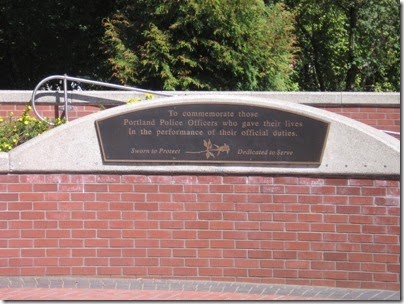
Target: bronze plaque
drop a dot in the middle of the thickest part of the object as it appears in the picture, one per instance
(207, 133)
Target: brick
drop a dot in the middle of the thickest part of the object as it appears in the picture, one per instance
(284, 235)
(273, 189)
(235, 235)
(146, 188)
(159, 234)
(20, 243)
(259, 198)
(172, 224)
(70, 187)
(108, 179)
(210, 179)
(297, 226)
(49, 243)
(19, 188)
(285, 217)
(134, 179)
(286, 273)
(32, 215)
(311, 181)
(135, 271)
(184, 197)
(247, 225)
(208, 197)
(370, 191)
(184, 252)
(197, 263)
(107, 197)
(259, 216)
(335, 256)
(272, 207)
(285, 255)
(184, 179)
(122, 261)
(134, 252)
(71, 205)
(386, 183)
(221, 225)
(248, 244)
(146, 243)
(171, 188)
(297, 189)
(269, 263)
(9, 215)
(309, 217)
(312, 274)
(387, 201)
(261, 254)
(387, 220)
(133, 197)
(260, 180)
(260, 272)
(386, 239)
(29, 196)
(297, 246)
(323, 190)
(236, 198)
(120, 187)
(56, 178)
(221, 188)
(160, 216)
(108, 271)
(196, 189)
(85, 179)
(348, 191)
(20, 206)
(323, 208)
(285, 198)
(323, 246)
(158, 197)
(334, 199)
(185, 272)
(95, 188)
(235, 216)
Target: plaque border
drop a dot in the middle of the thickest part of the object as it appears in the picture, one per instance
(210, 162)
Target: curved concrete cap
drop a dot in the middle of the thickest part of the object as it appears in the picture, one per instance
(352, 148)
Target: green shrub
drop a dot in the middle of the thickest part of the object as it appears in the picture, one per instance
(15, 131)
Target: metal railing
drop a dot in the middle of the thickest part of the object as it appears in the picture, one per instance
(66, 78)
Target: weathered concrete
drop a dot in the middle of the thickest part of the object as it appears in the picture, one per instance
(352, 148)
(119, 97)
(4, 162)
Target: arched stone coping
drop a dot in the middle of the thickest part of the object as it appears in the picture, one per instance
(352, 148)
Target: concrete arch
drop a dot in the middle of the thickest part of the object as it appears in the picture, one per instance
(352, 148)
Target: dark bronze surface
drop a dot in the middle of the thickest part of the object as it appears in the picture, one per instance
(212, 133)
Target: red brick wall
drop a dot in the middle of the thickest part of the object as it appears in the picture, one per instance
(378, 117)
(383, 118)
(273, 229)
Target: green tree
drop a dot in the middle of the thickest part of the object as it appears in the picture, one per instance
(41, 38)
(351, 45)
(201, 44)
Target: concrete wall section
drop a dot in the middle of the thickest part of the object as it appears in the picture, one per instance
(352, 148)
(119, 97)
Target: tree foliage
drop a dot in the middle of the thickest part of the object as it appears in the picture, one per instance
(195, 44)
(41, 38)
(347, 45)
(310, 45)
